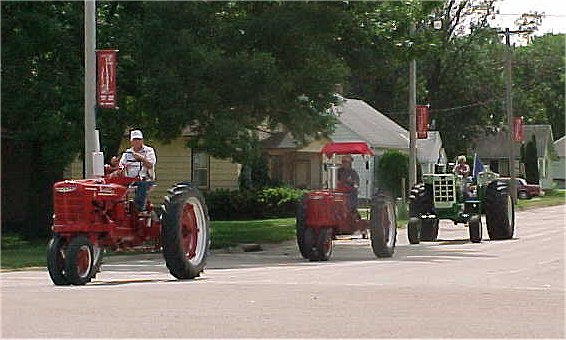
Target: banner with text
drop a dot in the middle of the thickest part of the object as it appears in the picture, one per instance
(422, 121)
(106, 79)
(518, 129)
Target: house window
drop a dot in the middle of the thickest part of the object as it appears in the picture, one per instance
(275, 165)
(200, 166)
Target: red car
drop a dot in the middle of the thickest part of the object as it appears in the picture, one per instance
(525, 190)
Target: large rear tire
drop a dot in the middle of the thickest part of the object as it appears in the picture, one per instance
(56, 260)
(300, 227)
(79, 259)
(383, 226)
(185, 231)
(499, 211)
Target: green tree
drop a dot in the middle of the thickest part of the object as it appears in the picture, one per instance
(539, 78)
(42, 94)
(531, 162)
(392, 170)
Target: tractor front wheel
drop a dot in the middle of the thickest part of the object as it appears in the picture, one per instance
(185, 231)
(383, 226)
(414, 230)
(324, 244)
(56, 260)
(301, 227)
(475, 229)
(79, 257)
(429, 229)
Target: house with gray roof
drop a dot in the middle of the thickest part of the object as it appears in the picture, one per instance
(357, 121)
(493, 150)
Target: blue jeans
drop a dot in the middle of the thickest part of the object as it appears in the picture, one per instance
(141, 193)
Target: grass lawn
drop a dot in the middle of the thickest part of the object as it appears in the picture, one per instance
(18, 253)
(554, 197)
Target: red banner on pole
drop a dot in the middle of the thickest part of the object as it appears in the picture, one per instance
(106, 79)
(518, 129)
(422, 121)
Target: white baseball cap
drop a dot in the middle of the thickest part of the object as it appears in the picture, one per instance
(136, 134)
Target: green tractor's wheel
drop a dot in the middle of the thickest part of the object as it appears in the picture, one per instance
(383, 226)
(499, 211)
(414, 230)
(185, 231)
(79, 257)
(475, 229)
(300, 227)
(429, 229)
(56, 260)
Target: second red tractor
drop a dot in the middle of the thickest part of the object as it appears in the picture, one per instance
(324, 213)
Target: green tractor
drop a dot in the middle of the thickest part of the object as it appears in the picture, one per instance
(445, 195)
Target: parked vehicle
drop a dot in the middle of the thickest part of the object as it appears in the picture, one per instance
(525, 190)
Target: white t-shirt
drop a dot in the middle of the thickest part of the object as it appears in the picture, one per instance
(135, 168)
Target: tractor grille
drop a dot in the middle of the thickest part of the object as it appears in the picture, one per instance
(68, 208)
(444, 190)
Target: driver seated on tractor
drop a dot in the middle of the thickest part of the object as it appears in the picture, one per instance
(139, 162)
(349, 180)
(463, 169)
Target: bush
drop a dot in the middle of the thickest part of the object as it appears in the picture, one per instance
(253, 204)
(392, 168)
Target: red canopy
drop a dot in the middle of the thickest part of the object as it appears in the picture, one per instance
(344, 148)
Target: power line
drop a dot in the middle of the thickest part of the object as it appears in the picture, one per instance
(449, 109)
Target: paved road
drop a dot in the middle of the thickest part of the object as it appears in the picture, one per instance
(445, 289)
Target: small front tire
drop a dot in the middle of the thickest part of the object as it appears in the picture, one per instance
(56, 260)
(79, 259)
(475, 229)
(414, 230)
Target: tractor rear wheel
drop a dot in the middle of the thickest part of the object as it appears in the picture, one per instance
(429, 229)
(185, 231)
(79, 259)
(414, 230)
(300, 226)
(499, 211)
(475, 229)
(383, 226)
(56, 260)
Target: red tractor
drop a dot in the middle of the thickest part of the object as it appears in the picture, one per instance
(322, 214)
(91, 215)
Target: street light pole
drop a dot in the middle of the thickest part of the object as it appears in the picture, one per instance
(412, 117)
(91, 139)
(509, 108)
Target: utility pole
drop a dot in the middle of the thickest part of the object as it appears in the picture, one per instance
(91, 140)
(509, 106)
(413, 117)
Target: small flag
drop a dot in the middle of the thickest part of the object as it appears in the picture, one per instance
(478, 166)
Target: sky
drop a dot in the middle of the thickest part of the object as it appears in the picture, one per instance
(553, 22)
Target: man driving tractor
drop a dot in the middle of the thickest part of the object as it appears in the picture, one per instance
(139, 162)
(349, 180)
